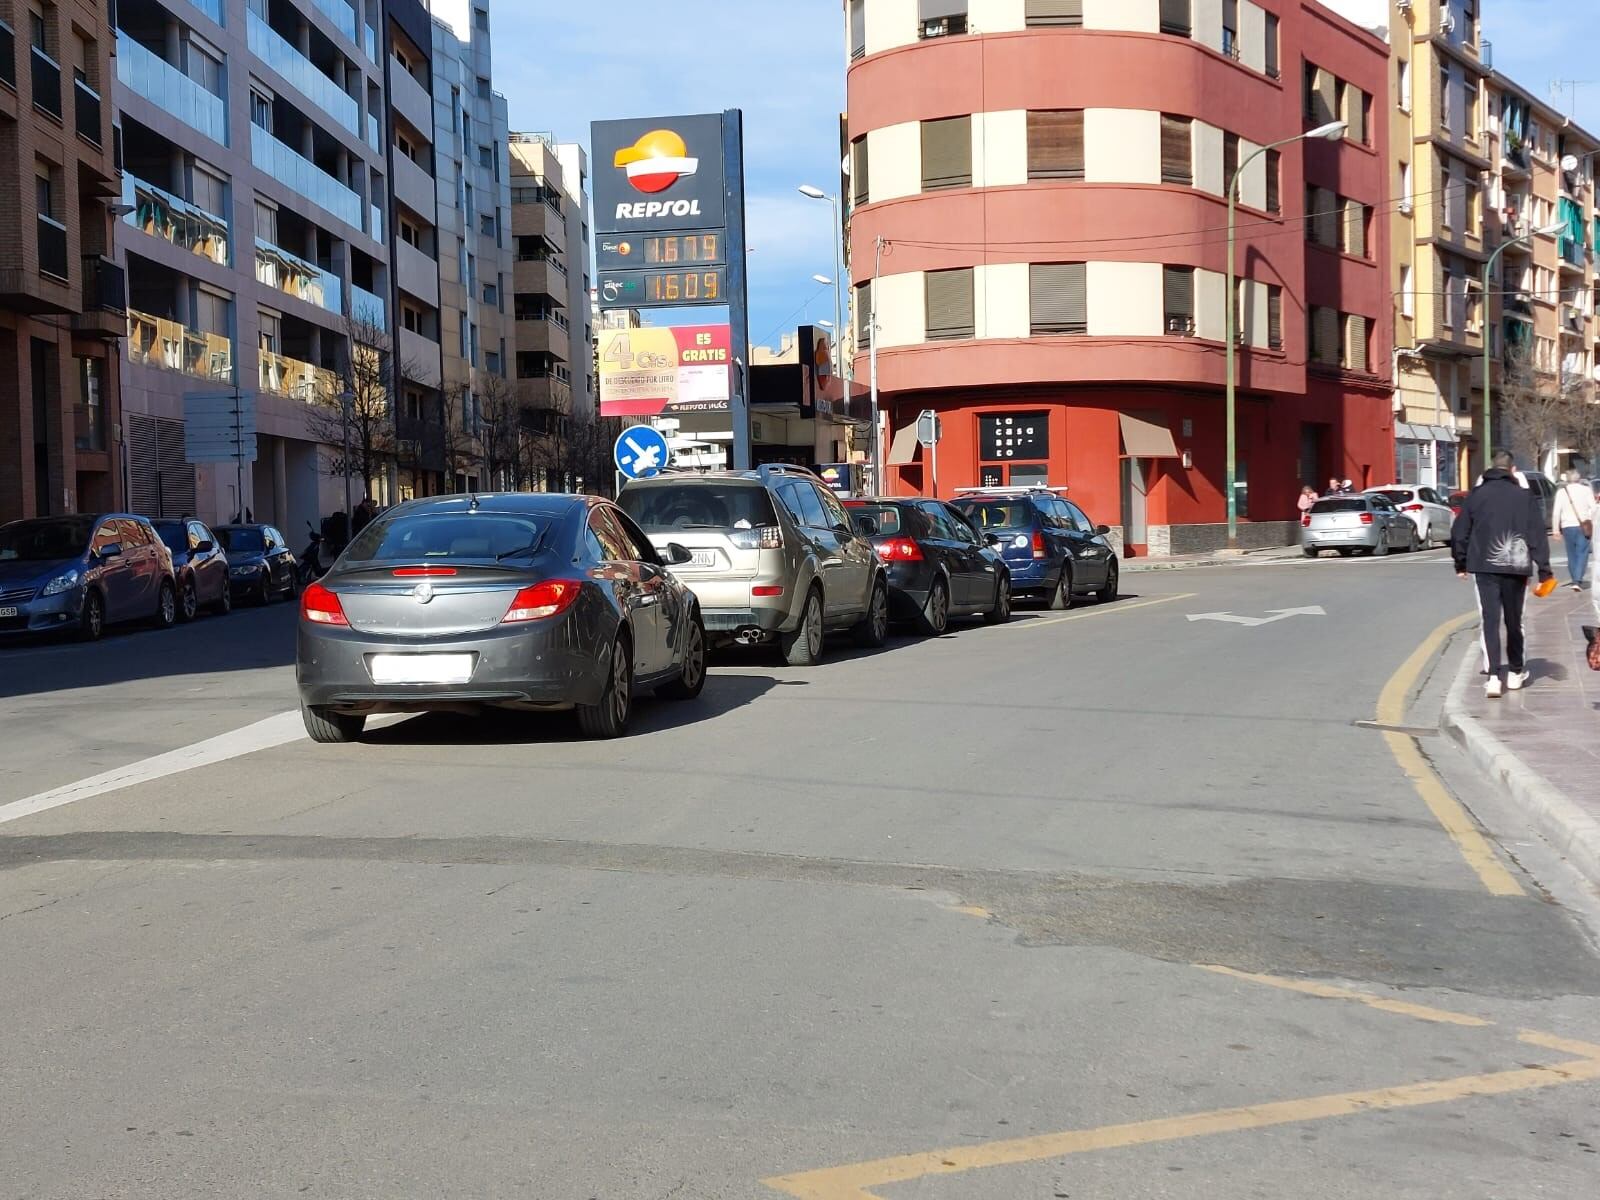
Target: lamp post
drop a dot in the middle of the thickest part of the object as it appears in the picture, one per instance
(1331, 132)
(346, 399)
(1484, 438)
(843, 363)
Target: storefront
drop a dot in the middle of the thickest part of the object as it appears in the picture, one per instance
(1426, 455)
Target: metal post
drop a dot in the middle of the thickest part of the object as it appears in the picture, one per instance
(838, 298)
(1488, 383)
(1231, 351)
(738, 271)
(872, 346)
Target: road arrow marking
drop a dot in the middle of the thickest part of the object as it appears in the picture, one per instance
(1277, 614)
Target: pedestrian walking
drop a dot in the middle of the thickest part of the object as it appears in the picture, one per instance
(1499, 539)
(1573, 522)
(1308, 497)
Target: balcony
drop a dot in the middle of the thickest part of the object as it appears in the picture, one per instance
(414, 188)
(1574, 321)
(409, 98)
(271, 47)
(169, 89)
(52, 248)
(285, 376)
(187, 226)
(541, 277)
(419, 358)
(1514, 161)
(304, 177)
(416, 273)
(8, 56)
(368, 308)
(341, 14)
(541, 335)
(539, 220)
(211, 8)
(86, 111)
(296, 277)
(159, 342)
(105, 299)
(1574, 257)
(46, 83)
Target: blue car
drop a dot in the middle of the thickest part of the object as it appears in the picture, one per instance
(1050, 547)
(79, 574)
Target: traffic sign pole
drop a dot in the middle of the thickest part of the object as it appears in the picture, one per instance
(738, 284)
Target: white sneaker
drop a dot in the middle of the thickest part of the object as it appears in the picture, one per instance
(1517, 680)
(1493, 688)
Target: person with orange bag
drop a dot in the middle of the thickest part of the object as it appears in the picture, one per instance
(1500, 540)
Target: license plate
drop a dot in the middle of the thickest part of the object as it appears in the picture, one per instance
(421, 668)
(8, 612)
(703, 558)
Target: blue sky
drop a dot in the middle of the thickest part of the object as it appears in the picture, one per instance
(1536, 41)
(564, 65)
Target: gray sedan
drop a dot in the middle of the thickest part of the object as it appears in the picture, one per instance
(528, 602)
(1366, 523)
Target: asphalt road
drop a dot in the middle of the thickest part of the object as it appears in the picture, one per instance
(932, 922)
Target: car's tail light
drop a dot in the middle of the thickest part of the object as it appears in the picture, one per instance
(900, 549)
(548, 599)
(321, 607)
(422, 572)
(1411, 508)
(1305, 520)
(767, 589)
(1038, 544)
(763, 537)
(1366, 518)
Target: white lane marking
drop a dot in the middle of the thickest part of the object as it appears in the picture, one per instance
(276, 730)
(1279, 614)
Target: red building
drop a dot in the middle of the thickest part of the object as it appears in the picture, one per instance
(1047, 178)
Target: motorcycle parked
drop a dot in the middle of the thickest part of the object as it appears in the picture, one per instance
(316, 558)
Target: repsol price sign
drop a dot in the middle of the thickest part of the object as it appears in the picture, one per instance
(666, 173)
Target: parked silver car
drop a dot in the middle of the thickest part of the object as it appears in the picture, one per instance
(1426, 508)
(773, 555)
(1363, 522)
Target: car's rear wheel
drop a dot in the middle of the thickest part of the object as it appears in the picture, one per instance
(802, 647)
(1382, 547)
(224, 604)
(873, 629)
(936, 612)
(188, 602)
(329, 727)
(92, 620)
(1346, 551)
(609, 718)
(1109, 593)
(1000, 613)
(1311, 551)
(691, 680)
(166, 606)
(264, 592)
(1062, 597)
(1413, 541)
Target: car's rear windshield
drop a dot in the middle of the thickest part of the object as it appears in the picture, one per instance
(45, 540)
(443, 537)
(173, 534)
(1395, 495)
(888, 517)
(663, 507)
(998, 514)
(1341, 504)
(242, 541)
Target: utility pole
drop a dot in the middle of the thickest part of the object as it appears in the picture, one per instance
(872, 346)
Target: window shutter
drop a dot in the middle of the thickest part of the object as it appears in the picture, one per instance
(1355, 114)
(1274, 181)
(1177, 159)
(1054, 12)
(1274, 317)
(1323, 97)
(864, 314)
(947, 153)
(1355, 343)
(1055, 144)
(1355, 228)
(858, 28)
(1325, 336)
(949, 301)
(1230, 160)
(1176, 17)
(1177, 286)
(1273, 68)
(860, 177)
(1325, 217)
(1058, 298)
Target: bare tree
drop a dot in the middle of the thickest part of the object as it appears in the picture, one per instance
(497, 430)
(460, 443)
(1536, 414)
(365, 378)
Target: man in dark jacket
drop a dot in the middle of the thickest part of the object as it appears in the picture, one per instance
(1499, 539)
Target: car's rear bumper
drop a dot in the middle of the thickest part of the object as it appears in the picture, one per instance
(729, 621)
(541, 666)
(909, 584)
(1365, 538)
(1033, 576)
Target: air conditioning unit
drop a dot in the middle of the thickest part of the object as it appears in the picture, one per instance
(1447, 18)
(1403, 5)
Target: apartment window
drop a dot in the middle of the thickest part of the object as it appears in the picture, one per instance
(1053, 12)
(1177, 154)
(466, 339)
(864, 314)
(485, 157)
(1354, 110)
(1058, 298)
(1230, 158)
(1274, 316)
(1356, 216)
(268, 331)
(411, 319)
(1353, 343)
(491, 295)
(1403, 83)
(1321, 95)
(949, 303)
(1177, 17)
(36, 31)
(1274, 182)
(484, 91)
(1408, 292)
(858, 28)
(1177, 293)
(455, 110)
(480, 18)
(492, 361)
(260, 111)
(1323, 337)
(1446, 108)
(947, 153)
(1274, 68)
(486, 225)
(266, 222)
(43, 193)
(1322, 217)
(941, 18)
(1449, 316)
(1230, 28)
(860, 176)
(1055, 144)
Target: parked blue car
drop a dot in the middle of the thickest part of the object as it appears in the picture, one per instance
(1049, 545)
(82, 573)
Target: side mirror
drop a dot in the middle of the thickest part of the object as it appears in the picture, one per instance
(110, 550)
(866, 527)
(991, 539)
(843, 528)
(677, 555)
(205, 548)
(1102, 530)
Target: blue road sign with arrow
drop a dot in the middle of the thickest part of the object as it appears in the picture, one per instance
(641, 452)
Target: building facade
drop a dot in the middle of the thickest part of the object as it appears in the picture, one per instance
(1038, 221)
(62, 298)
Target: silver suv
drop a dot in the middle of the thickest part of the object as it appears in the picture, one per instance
(775, 556)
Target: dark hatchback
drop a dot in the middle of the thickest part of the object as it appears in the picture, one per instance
(261, 566)
(1050, 546)
(199, 564)
(532, 602)
(938, 566)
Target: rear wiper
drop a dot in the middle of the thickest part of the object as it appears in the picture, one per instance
(520, 550)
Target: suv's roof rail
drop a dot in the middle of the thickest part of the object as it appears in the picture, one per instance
(1042, 490)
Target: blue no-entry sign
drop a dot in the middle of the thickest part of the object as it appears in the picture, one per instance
(641, 452)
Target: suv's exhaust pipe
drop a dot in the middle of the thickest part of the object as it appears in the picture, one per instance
(750, 635)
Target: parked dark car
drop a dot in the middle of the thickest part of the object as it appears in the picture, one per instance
(1050, 546)
(81, 573)
(938, 566)
(260, 564)
(200, 566)
(531, 602)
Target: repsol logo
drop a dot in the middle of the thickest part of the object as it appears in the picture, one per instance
(643, 210)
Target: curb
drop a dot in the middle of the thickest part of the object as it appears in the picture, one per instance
(1568, 828)
(1157, 564)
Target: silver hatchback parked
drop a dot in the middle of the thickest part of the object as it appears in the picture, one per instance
(774, 556)
(1365, 522)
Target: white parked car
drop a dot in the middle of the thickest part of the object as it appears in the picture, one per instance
(1428, 510)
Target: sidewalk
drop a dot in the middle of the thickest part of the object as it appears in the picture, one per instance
(1215, 558)
(1540, 744)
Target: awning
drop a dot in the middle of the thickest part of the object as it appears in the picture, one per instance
(1411, 433)
(903, 449)
(1146, 439)
(1441, 434)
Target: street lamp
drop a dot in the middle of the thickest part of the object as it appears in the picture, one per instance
(1488, 381)
(816, 193)
(1331, 132)
(823, 280)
